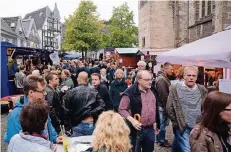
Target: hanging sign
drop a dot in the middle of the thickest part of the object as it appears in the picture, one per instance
(10, 51)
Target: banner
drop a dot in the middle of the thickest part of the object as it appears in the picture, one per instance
(54, 57)
(225, 86)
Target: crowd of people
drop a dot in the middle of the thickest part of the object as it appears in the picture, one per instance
(124, 110)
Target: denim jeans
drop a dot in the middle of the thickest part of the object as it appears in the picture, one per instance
(181, 140)
(144, 141)
(164, 121)
(83, 129)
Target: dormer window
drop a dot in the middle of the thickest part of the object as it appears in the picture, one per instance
(29, 17)
(20, 30)
(12, 25)
(41, 13)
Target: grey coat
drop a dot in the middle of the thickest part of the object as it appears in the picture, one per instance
(174, 109)
(27, 143)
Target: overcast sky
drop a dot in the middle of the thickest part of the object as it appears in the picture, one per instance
(10, 8)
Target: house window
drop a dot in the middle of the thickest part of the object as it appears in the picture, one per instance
(209, 8)
(12, 25)
(143, 42)
(203, 9)
(197, 12)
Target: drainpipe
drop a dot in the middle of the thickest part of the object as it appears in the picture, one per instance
(187, 21)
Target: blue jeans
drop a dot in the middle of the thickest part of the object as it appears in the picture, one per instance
(181, 140)
(164, 121)
(145, 141)
(83, 129)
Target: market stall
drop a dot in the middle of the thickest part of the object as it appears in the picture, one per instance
(11, 57)
(212, 51)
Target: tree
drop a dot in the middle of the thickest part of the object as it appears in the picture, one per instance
(83, 29)
(123, 32)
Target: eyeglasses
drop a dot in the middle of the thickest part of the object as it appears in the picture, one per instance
(147, 80)
(227, 110)
(42, 91)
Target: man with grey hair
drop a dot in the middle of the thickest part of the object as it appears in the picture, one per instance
(141, 65)
(162, 86)
(141, 98)
(184, 107)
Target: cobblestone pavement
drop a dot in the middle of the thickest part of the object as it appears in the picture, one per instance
(4, 145)
(169, 137)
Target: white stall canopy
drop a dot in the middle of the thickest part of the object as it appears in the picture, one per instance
(212, 51)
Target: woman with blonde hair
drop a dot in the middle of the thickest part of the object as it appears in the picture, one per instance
(111, 134)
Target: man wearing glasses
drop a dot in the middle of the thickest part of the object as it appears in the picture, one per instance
(34, 91)
(184, 108)
(141, 98)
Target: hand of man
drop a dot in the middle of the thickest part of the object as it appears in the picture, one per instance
(59, 140)
(136, 125)
(156, 130)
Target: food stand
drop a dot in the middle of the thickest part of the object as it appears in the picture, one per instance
(10, 55)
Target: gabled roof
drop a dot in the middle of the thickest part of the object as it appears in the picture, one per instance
(27, 24)
(5, 29)
(39, 16)
(17, 28)
(126, 50)
(12, 20)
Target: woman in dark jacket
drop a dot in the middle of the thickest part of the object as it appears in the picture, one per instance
(118, 86)
(212, 134)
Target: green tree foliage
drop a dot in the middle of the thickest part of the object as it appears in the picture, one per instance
(83, 29)
(123, 32)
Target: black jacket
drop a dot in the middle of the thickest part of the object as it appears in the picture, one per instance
(82, 102)
(116, 88)
(56, 110)
(94, 70)
(104, 93)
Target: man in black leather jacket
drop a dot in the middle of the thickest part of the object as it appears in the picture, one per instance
(83, 105)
